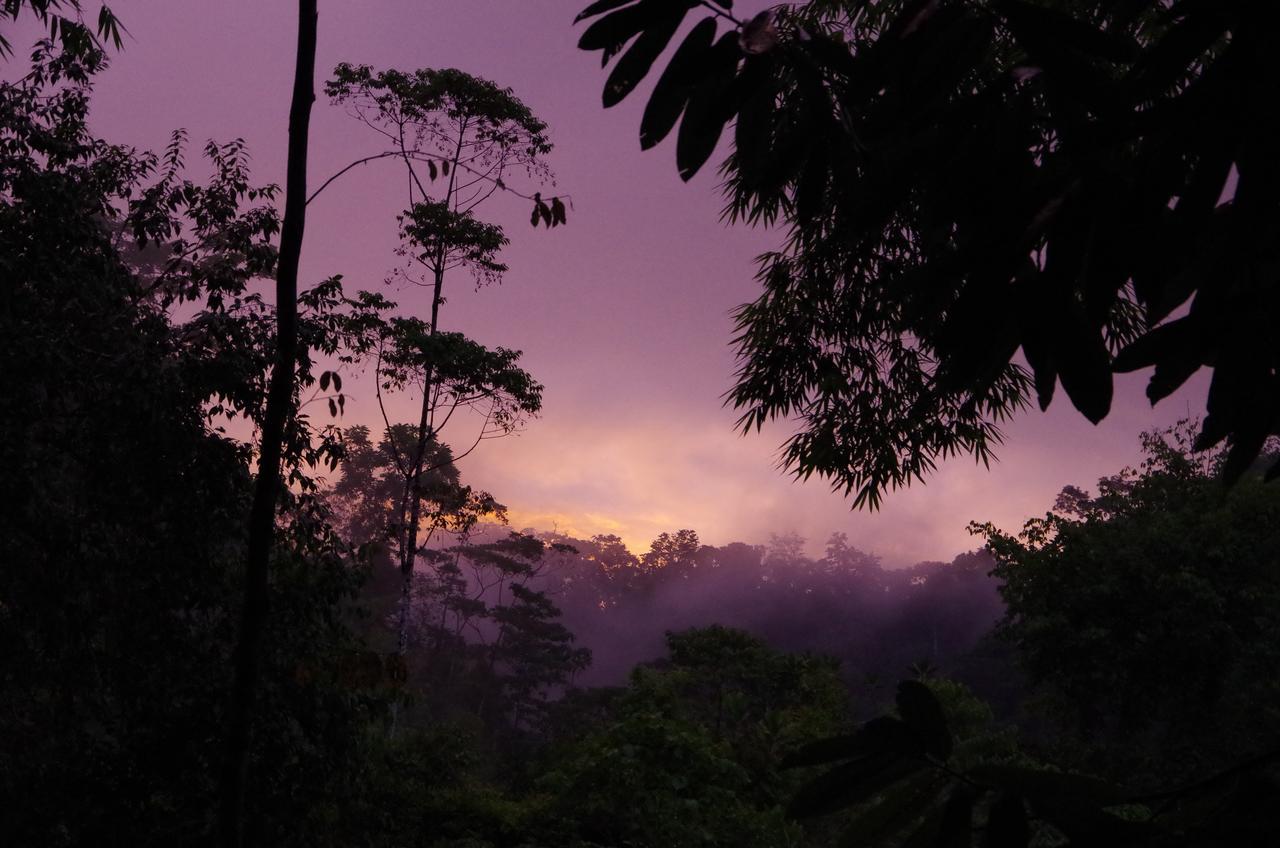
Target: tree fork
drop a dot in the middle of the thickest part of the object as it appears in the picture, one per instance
(279, 406)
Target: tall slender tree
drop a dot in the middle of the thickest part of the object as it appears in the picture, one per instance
(279, 409)
(460, 139)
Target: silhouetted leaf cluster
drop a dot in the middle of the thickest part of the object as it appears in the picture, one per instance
(965, 181)
(898, 776)
(551, 214)
(122, 534)
(1158, 570)
(73, 36)
(451, 122)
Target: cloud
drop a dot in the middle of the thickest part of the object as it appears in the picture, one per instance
(584, 471)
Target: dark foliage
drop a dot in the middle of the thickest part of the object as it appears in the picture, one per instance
(964, 181)
(1158, 571)
(123, 535)
(687, 754)
(906, 783)
(135, 336)
(876, 621)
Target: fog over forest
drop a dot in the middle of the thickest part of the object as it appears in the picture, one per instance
(392, 455)
(878, 622)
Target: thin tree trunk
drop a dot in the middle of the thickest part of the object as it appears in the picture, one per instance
(413, 490)
(279, 407)
(409, 550)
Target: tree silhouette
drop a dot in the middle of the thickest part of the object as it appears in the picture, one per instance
(1159, 571)
(963, 182)
(133, 333)
(74, 36)
(279, 410)
(470, 134)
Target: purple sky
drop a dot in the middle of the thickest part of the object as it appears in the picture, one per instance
(623, 314)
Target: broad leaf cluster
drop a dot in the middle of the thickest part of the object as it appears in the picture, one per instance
(122, 535)
(985, 200)
(1157, 571)
(908, 780)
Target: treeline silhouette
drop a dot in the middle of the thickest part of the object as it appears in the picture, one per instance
(395, 668)
(844, 604)
(618, 605)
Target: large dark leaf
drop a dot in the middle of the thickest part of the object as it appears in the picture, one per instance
(1007, 825)
(671, 93)
(1242, 400)
(1167, 63)
(636, 62)
(849, 784)
(957, 819)
(1084, 364)
(1171, 372)
(1039, 783)
(1043, 369)
(708, 109)
(898, 807)
(614, 30)
(1157, 344)
(600, 7)
(755, 94)
(1246, 444)
(878, 736)
(1034, 300)
(1068, 31)
(923, 714)
(978, 345)
(1086, 823)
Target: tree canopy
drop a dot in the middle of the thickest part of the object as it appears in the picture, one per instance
(151, 391)
(983, 200)
(123, 534)
(1156, 571)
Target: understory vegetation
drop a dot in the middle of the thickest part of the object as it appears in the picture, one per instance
(1105, 675)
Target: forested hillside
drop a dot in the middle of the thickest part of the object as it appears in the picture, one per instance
(251, 595)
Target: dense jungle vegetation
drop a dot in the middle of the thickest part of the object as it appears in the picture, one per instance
(319, 634)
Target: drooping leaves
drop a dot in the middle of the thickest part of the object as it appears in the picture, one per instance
(923, 714)
(851, 783)
(709, 108)
(955, 821)
(1007, 824)
(550, 214)
(894, 812)
(888, 758)
(639, 58)
(671, 92)
(878, 736)
(598, 8)
(1108, 146)
(611, 32)
(1037, 783)
(696, 83)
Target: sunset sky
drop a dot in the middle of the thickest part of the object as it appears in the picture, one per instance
(623, 315)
